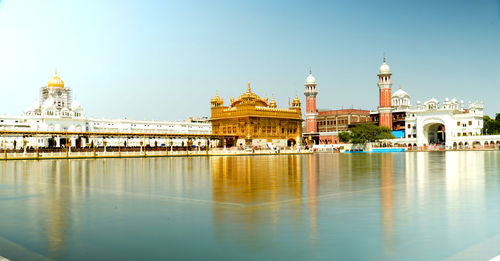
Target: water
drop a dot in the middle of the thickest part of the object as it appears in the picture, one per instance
(394, 206)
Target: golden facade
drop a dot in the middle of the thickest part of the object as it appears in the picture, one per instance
(256, 121)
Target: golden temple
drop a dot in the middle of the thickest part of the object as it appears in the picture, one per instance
(257, 122)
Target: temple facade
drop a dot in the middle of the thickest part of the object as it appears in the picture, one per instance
(55, 110)
(257, 122)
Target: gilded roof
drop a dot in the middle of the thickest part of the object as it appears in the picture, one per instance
(249, 97)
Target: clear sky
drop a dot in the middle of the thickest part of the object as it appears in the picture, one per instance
(164, 60)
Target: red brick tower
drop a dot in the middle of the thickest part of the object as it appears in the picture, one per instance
(384, 85)
(311, 112)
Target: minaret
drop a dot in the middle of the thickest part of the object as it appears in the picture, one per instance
(311, 112)
(385, 93)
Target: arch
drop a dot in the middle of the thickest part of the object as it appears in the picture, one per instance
(291, 142)
(434, 131)
(476, 145)
(455, 145)
(466, 145)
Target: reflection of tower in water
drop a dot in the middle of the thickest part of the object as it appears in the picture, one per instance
(248, 192)
(387, 199)
(312, 195)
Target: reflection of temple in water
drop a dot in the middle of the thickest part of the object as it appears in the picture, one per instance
(249, 193)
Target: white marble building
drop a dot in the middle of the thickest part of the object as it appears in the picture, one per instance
(55, 111)
(451, 123)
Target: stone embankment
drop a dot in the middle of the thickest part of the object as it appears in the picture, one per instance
(138, 154)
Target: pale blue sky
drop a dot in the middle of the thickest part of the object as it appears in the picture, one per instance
(165, 59)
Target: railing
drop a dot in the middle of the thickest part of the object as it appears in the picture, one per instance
(58, 154)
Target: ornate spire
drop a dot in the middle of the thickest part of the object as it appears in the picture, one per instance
(249, 90)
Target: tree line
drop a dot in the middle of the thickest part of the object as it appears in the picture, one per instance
(364, 133)
(491, 126)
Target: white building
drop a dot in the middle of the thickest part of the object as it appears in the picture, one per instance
(55, 111)
(450, 123)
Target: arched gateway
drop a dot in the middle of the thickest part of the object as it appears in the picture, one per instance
(433, 132)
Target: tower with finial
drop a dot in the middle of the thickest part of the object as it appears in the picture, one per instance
(311, 112)
(295, 102)
(385, 93)
(217, 101)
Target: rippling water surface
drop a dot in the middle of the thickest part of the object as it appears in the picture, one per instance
(400, 206)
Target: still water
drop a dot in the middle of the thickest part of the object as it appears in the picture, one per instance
(395, 206)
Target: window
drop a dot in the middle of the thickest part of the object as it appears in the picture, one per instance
(409, 126)
(470, 123)
(458, 123)
(459, 134)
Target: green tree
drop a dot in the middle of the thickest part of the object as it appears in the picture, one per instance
(491, 126)
(364, 133)
(344, 136)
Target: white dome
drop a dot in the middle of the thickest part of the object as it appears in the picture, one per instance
(384, 68)
(400, 93)
(310, 79)
(433, 100)
(75, 105)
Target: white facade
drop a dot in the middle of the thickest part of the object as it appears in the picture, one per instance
(57, 112)
(450, 123)
(435, 123)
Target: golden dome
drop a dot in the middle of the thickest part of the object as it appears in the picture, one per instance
(55, 81)
(249, 97)
(273, 104)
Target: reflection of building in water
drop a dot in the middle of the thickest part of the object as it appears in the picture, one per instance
(58, 188)
(248, 189)
(465, 185)
(387, 199)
